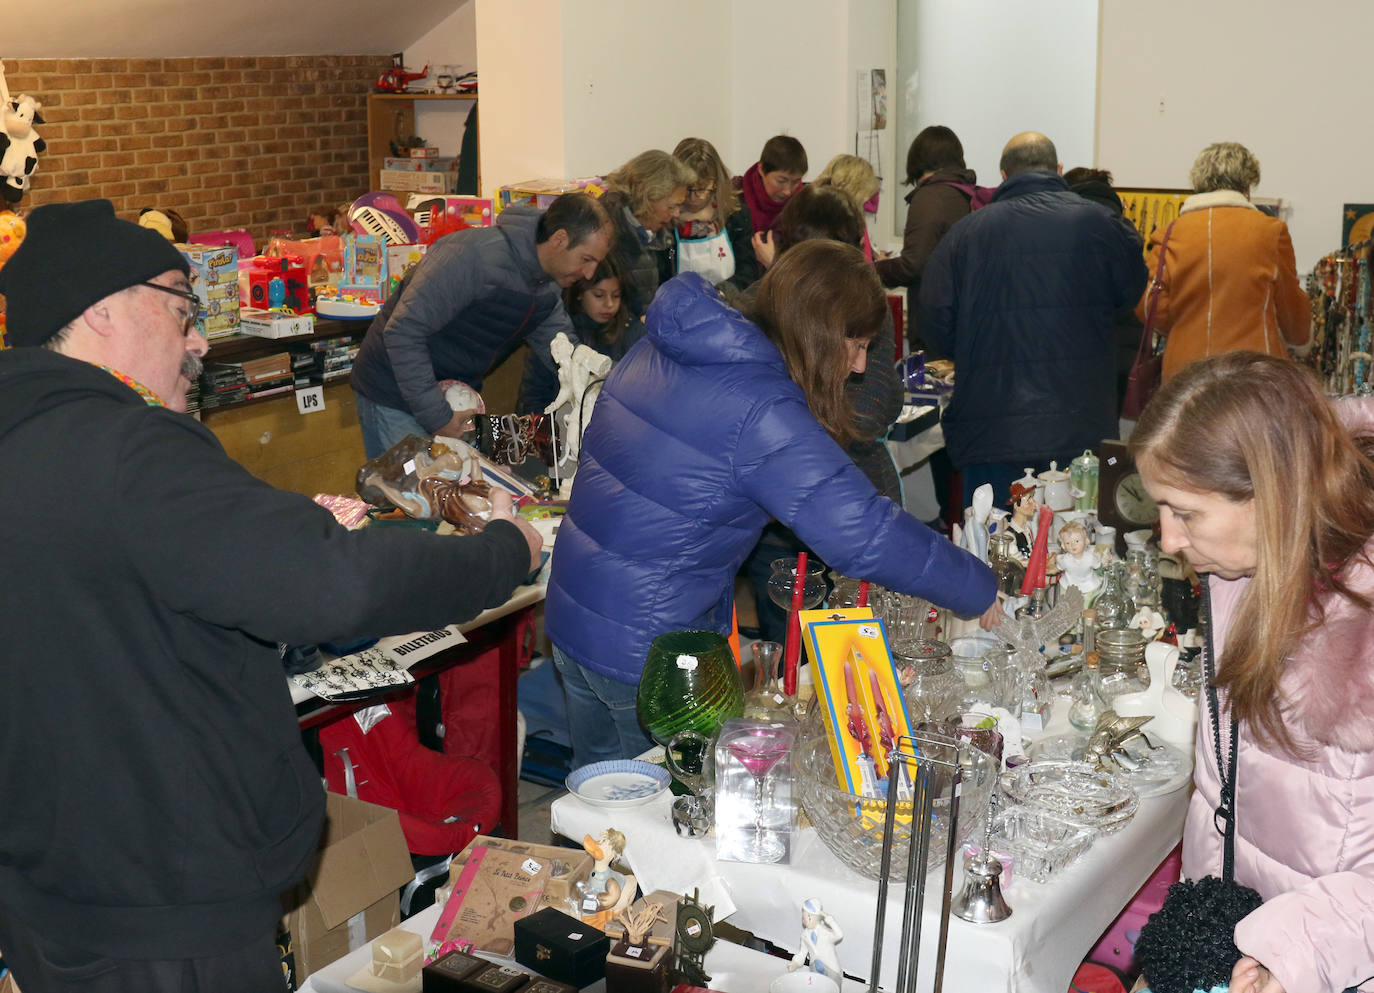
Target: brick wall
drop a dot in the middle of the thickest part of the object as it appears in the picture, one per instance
(256, 143)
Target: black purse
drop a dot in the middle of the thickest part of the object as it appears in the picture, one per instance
(1189, 944)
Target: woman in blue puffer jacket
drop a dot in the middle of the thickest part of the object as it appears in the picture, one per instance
(713, 424)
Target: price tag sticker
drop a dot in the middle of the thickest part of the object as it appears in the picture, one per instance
(590, 904)
(634, 952)
(688, 663)
(530, 867)
(310, 400)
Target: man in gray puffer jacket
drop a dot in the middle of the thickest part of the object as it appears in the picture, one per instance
(475, 297)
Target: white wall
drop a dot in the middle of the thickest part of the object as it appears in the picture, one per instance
(873, 45)
(790, 77)
(1288, 85)
(589, 83)
(519, 47)
(640, 75)
(990, 69)
(451, 42)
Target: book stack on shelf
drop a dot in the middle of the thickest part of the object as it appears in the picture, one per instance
(222, 383)
(251, 379)
(326, 360)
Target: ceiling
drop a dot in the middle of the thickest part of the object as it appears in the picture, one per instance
(178, 28)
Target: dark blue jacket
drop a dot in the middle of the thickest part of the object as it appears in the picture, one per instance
(475, 297)
(698, 439)
(1022, 295)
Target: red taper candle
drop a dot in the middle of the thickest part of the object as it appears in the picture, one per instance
(792, 649)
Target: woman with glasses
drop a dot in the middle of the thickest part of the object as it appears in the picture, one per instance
(713, 234)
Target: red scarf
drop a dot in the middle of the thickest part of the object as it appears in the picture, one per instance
(763, 209)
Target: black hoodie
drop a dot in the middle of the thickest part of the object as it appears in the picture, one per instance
(157, 795)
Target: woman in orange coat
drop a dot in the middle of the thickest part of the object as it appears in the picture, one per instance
(1229, 280)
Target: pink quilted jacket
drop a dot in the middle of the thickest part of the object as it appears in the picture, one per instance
(1304, 828)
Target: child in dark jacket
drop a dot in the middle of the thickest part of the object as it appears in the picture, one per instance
(600, 314)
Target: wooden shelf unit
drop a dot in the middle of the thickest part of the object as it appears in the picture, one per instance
(390, 115)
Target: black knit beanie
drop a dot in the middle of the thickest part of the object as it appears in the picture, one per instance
(73, 255)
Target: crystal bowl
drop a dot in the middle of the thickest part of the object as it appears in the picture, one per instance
(851, 826)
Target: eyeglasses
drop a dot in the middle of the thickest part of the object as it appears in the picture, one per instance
(188, 321)
(697, 192)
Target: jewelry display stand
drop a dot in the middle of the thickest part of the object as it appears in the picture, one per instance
(907, 762)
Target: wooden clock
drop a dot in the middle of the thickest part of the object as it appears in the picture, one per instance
(1122, 501)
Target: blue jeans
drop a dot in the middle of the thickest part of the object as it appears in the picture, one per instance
(592, 698)
(384, 426)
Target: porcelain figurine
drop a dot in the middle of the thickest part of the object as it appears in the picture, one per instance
(975, 532)
(1077, 561)
(820, 934)
(607, 892)
(1023, 520)
(579, 368)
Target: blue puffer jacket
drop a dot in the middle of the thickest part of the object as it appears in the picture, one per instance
(1023, 295)
(698, 439)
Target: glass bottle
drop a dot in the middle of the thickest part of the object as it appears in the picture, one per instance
(1114, 609)
(1089, 630)
(1088, 704)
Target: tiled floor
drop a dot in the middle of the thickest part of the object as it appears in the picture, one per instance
(535, 800)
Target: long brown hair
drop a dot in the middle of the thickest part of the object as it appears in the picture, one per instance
(701, 157)
(1248, 426)
(816, 298)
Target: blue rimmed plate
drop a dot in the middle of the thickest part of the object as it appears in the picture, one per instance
(620, 783)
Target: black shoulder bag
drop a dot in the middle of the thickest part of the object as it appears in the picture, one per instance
(1188, 943)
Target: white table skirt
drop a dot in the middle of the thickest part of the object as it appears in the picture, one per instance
(1052, 927)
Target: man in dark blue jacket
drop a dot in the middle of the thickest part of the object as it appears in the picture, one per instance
(1022, 296)
(475, 297)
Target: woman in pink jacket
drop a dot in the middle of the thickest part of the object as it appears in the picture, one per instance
(1267, 487)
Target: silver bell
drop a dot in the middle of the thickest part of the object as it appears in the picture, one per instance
(981, 900)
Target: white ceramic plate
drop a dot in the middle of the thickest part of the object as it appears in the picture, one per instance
(620, 783)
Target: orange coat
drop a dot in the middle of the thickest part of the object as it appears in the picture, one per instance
(1229, 283)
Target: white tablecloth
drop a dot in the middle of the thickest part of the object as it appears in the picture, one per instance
(1036, 950)
(733, 968)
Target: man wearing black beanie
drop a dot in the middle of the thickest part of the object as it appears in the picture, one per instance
(158, 799)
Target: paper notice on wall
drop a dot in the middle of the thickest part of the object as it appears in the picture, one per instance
(868, 145)
(870, 100)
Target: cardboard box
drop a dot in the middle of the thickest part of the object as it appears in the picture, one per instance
(363, 862)
(440, 163)
(214, 268)
(269, 324)
(419, 182)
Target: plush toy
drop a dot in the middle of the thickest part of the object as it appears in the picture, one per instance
(12, 230)
(19, 142)
(166, 222)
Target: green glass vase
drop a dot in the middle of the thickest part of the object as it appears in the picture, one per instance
(690, 683)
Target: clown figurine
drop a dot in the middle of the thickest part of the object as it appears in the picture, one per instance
(820, 934)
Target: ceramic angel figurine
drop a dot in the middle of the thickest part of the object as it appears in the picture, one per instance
(578, 368)
(820, 934)
(609, 890)
(1077, 560)
(974, 537)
